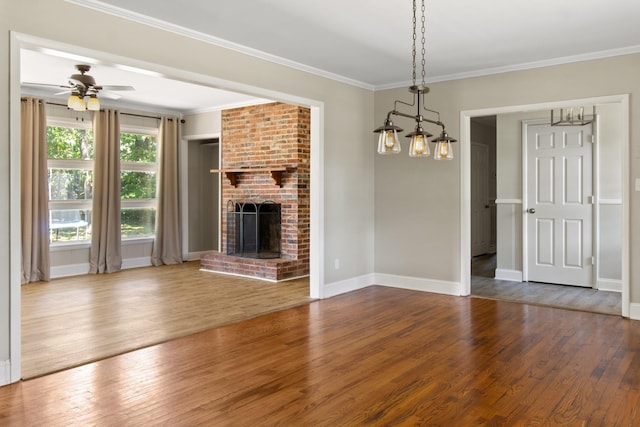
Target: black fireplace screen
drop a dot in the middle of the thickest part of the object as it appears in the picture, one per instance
(253, 229)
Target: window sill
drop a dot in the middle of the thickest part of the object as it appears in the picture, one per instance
(137, 240)
(69, 246)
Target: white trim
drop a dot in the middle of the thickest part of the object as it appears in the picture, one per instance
(18, 40)
(630, 50)
(316, 252)
(418, 284)
(136, 262)
(465, 172)
(510, 275)
(15, 240)
(612, 202)
(5, 372)
(348, 285)
(207, 38)
(610, 285)
(67, 270)
(634, 311)
(508, 201)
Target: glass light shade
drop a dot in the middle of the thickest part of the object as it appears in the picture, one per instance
(73, 101)
(93, 104)
(80, 106)
(443, 151)
(388, 142)
(419, 146)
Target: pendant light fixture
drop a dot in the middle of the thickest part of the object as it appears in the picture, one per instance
(388, 142)
(573, 117)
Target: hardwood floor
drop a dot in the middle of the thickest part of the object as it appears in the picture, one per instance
(72, 321)
(377, 356)
(484, 285)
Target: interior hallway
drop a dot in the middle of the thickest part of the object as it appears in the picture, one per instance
(484, 285)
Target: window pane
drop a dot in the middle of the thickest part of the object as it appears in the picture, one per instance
(69, 225)
(137, 148)
(138, 185)
(70, 184)
(69, 143)
(138, 222)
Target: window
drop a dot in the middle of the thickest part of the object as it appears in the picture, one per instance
(138, 165)
(70, 173)
(70, 176)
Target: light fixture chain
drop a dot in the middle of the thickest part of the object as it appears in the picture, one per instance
(423, 48)
(415, 36)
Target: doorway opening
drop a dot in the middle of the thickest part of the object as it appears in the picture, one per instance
(18, 41)
(611, 209)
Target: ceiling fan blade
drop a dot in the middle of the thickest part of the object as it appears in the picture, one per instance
(114, 87)
(63, 92)
(108, 95)
(47, 84)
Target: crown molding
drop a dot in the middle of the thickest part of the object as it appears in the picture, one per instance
(630, 50)
(197, 35)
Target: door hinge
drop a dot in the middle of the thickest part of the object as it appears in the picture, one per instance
(593, 260)
(591, 200)
(592, 138)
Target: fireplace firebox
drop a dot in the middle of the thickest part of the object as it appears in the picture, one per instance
(253, 229)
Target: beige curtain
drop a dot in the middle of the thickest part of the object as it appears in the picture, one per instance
(166, 248)
(106, 256)
(34, 201)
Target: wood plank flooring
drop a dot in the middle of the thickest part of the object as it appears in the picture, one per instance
(71, 321)
(378, 356)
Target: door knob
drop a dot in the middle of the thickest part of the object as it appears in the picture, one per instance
(531, 210)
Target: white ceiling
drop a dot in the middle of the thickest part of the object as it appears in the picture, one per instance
(366, 42)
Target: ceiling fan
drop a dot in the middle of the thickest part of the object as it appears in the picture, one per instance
(84, 85)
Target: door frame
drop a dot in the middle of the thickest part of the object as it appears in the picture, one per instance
(595, 223)
(17, 40)
(465, 181)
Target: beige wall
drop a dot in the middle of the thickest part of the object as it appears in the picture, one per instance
(347, 111)
(417, 202)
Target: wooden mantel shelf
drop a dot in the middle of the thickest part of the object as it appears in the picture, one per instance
(275, 171)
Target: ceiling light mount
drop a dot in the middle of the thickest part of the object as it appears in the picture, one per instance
(419, 147)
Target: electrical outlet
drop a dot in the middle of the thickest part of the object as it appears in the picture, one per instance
(337, 264)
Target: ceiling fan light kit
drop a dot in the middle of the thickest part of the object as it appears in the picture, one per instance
(419, 146)
(83, 86)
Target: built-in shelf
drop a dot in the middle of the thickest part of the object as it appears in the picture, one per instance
(275, 171)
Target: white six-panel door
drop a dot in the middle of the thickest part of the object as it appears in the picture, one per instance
(559, 204)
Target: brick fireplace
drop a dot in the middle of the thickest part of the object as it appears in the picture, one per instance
(265, 158)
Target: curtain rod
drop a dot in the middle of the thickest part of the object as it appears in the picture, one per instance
(126, 114)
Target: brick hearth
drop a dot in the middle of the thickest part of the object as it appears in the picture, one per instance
(261, 137)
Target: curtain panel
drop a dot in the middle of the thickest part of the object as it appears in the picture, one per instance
(168, 241)
(34, 199)
(106, 251)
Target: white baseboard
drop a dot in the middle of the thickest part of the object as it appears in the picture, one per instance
(81, 269)
(348, 285)
(136, 262)
(69, 270)
(610, 285)
(512, 275)
(634, 311)
(5, 372)
(418, 284)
